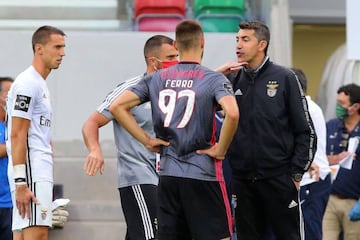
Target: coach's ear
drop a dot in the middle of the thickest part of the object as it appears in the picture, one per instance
(262, 45)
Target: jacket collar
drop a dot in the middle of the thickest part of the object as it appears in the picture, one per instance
(253, 71)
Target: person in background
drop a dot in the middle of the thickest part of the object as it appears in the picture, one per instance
(316, 182)
(5, 192)
(345, 190)
(137, 174)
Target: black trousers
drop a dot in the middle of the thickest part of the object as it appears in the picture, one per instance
(267, 202)
(5, 224)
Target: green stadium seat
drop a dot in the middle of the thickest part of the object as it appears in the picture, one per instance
(219, 15)
(220, 23)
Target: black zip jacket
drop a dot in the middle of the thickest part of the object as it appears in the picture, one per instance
(275, 134)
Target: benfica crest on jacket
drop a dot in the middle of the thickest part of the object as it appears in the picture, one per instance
(272, 88)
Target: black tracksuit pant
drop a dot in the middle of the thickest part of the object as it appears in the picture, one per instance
(264, 203)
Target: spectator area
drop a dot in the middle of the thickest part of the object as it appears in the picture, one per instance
(163, 15)
(122, 15)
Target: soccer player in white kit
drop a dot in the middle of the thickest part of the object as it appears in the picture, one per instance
(28, 143)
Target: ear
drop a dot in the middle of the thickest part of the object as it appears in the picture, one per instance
(202, 42)
(152, 61)
(175, 45)
(356, 106)
(262, 45)
(38, 48)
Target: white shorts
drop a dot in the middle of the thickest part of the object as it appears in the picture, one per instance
(41, 214)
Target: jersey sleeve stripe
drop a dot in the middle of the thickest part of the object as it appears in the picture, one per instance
(117, 91)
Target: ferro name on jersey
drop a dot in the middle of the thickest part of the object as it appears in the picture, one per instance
(184, 83)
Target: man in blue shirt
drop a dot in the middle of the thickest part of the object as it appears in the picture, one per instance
(5, 195)
(346, 187)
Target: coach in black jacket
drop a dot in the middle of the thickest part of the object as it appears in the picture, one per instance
(274, 143)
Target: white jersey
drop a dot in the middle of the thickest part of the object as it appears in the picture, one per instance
(29, 98)
(320, 157)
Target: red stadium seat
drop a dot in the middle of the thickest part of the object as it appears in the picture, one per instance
(157, 23)
(159, 7)
(158, 15)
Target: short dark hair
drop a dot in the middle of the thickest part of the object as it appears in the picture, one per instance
(188, 34)
(42, 35)
(302, 78)
(262, 31)
(153, 44)
(5, 79)
(352, 90)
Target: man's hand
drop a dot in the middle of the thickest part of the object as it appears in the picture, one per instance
(230, 67)
(211, 152)
(314, 171)
(335, 159)
(23, 197)
(94, 163)
(155, 144)
(297, 184)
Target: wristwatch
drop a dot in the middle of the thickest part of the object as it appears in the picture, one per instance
(297, 177)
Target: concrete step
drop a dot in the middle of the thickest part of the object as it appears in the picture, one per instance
(95, 211)
(78, 186)
(94, 208)
(90, 230)
(92, 220)
(75, 183)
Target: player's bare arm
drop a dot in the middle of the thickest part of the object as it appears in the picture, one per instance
(335, 159)
(120, 109)
(3, 150)
(20, 127)
(231, 111)
(90, 131)
(228, 129)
